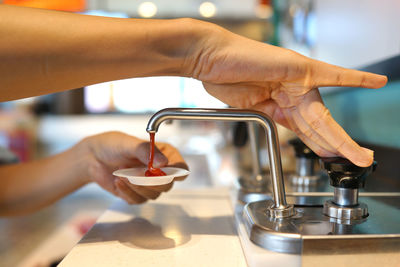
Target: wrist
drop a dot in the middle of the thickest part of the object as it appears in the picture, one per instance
(191, 43)
(176, 44)
(205, 39)
(83, 158)
(151, 47)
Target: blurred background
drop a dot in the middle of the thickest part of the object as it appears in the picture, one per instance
(360, 34)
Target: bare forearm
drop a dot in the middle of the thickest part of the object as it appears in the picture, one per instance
(30, 186)
(46, 51)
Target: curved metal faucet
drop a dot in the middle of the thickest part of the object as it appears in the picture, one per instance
(255, 155)
(280, 208)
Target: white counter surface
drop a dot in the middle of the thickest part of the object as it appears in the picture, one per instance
(191, 227)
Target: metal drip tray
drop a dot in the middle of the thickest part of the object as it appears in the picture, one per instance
(311, 232)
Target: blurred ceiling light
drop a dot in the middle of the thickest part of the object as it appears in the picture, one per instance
(207, 9)
(147, 9)
(263, 11)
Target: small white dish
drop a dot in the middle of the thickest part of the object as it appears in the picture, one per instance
(136, 175)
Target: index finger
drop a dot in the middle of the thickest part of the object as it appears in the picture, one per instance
(324, 74)
(318, 117)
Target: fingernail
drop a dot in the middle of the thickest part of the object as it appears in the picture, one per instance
(369, 152)
(367, 158)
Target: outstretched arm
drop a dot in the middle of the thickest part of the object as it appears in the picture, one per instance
(44, 51)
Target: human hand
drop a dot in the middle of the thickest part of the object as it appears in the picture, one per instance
(114, 150)
(283, 84)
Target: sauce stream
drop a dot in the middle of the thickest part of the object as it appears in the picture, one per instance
(151, 171)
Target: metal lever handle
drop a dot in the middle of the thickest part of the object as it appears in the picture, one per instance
(280, 207)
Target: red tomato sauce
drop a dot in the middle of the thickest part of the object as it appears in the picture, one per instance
(151, 171)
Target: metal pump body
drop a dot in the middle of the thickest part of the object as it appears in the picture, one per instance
(309, 229)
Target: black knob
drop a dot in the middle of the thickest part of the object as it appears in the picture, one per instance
(240, 134)
(344, 174)
(301, 150)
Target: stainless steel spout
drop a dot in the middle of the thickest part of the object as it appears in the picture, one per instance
(255, 152)
(280, 208)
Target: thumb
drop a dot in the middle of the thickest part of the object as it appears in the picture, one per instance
(143, 155)
(160, 160)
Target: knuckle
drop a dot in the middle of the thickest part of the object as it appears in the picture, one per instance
(363, 80)
(339, 79)
(317, 122)
(309, 133)
(340, 145)
(325, 112)
(297, 131)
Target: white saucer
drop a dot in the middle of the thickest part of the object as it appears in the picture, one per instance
(136, 175)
